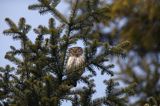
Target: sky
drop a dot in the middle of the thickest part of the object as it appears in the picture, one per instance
(15, 9)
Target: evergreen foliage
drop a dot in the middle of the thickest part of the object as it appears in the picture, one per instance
(39, 77)
(141, 28)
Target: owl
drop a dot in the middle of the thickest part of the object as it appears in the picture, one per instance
(75, 64)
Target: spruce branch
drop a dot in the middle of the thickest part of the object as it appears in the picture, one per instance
(48, 6)
(40, 77)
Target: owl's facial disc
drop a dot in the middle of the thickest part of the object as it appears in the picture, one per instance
(76, 51)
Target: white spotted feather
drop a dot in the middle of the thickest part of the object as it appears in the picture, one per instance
(74, 63)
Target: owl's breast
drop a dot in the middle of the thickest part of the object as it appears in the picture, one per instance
(74, 63)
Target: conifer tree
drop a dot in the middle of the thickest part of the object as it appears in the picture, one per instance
(40, 78)
(141, 28)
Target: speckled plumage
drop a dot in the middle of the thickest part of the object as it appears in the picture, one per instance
(76, 59)
(75, 63)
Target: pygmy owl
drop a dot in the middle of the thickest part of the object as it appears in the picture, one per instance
(75, 64)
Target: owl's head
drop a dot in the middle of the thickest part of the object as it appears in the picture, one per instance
(75, 51)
